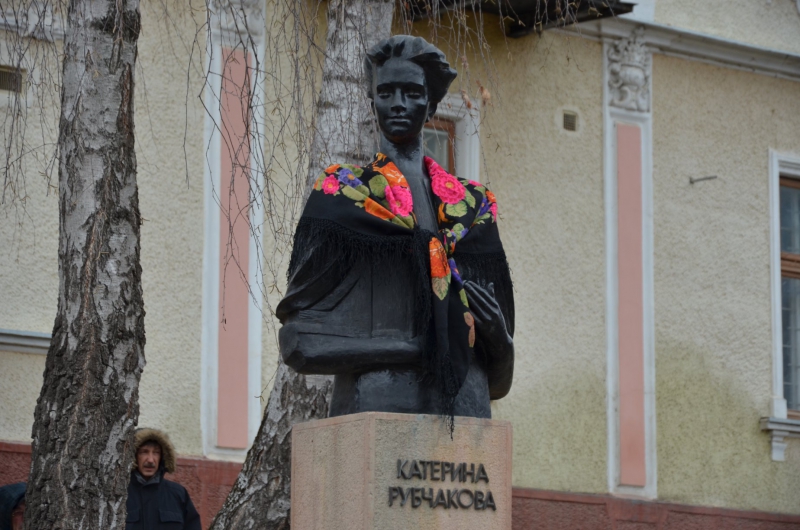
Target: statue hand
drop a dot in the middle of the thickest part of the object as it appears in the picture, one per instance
(490, 324)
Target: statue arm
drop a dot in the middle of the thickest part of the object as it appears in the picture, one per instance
(321, 353)
(493, 338)
(327, 324)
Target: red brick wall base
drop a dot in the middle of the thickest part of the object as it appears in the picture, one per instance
(209, 482)
(551, 510)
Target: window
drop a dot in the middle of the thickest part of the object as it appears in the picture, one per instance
(11, 79)
(439, 142)
(452, 139)
(790, 290)
(784, 235)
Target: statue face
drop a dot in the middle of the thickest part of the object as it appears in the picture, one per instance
(401, 100)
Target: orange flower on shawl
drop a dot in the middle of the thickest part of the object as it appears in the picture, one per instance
(439, 266)
(332, 168)
(376, 209)
(490, 196)
(442, 217)
(392, 174)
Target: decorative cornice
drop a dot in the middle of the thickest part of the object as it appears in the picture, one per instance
(24, 341)
(237, 21)
(629, 68)
(694, 46)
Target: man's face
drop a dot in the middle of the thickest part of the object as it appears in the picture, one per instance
(400, 100)
(17, 516)
(148, 457)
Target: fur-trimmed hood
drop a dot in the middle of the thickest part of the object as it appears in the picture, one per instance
(160, 437)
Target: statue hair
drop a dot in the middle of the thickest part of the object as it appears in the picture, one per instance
(438, 74)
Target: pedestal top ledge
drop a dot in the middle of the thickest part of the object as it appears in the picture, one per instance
(401, 471)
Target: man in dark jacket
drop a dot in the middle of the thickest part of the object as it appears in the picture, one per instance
(155, 503)
(12, 506)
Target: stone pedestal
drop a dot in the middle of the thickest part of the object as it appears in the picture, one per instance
(386, 471)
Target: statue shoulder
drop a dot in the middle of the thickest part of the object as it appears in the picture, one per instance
(336, 174)
(485, 203)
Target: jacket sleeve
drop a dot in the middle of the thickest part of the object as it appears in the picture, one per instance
(190, 516)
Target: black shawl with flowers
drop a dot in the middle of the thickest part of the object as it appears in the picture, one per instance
(356, 213)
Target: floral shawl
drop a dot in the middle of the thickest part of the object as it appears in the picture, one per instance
(355, 212)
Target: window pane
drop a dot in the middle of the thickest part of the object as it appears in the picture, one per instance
(437, 146)
(791, 341)
(790, 220)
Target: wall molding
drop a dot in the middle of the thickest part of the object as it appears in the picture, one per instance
(24, 341)
(780, 429)
(627, 111)
(695, 46)
(229, 22)
(629, 70)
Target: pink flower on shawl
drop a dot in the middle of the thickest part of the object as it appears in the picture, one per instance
(448, 188)
(475, 183)
(400, 202)
(493, 209)
(330, 185)
(444, 185)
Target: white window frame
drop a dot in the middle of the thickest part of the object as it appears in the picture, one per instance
(468, 140)
(778, 424)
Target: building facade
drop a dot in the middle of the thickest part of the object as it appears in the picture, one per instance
(647, 169)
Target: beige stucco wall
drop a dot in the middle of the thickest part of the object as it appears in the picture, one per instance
(21, 383)
(767, 23)
(171, 202)
(28, 297)
(549, 186)
(28, 245)
(712, 288)
(172, 242)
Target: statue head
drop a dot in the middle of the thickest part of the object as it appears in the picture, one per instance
(407, 78)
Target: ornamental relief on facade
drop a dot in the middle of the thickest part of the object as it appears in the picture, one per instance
(629, 68)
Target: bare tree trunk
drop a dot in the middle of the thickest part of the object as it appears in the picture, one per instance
(344, 125)
(88, 406)
(260, 498)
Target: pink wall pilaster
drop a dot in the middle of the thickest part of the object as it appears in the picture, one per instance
(630, 307)
(234, 256)
(632, 467)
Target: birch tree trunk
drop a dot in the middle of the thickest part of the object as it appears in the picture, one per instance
(344, 126)
(260, 498)
(88, 406)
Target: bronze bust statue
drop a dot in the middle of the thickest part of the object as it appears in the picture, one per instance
(398, 283)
